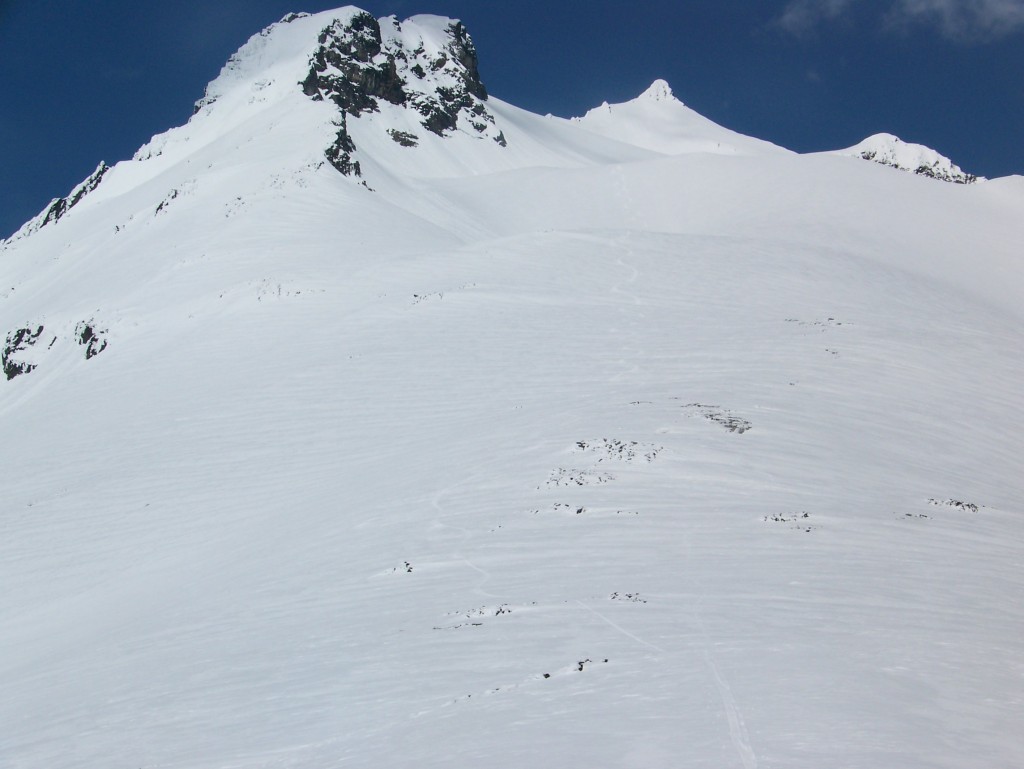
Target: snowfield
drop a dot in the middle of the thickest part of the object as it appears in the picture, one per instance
(633, 443)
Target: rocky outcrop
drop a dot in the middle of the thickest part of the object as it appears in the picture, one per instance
(23, 353)
(59, 207)
(349, 70)
(361, 62)
(18, 341)
(91, 338)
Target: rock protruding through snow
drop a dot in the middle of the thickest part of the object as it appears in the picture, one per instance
(361, 62)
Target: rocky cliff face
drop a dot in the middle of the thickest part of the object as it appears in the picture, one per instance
(361, 62)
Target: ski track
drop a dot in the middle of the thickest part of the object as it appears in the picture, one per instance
(737, 728)
(458, 557)
(621, 629)
(624, 250)
(738, 734)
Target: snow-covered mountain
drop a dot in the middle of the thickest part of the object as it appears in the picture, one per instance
(366, 419)
(889, 150)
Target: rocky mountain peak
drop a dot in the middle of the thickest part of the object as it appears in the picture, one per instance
(425, 64)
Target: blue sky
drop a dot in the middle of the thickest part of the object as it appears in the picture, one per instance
(84, 82)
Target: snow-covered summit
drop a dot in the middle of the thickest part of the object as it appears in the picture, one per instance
(656, 120)
(889, 150)
(659, 90)
(316, 87)
(425, 64)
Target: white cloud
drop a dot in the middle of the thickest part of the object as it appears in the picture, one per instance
(963, 19)
(801, 16)
(968, 20)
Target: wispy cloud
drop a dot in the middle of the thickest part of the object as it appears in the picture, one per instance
(968, 20)
(801, 16)
(963, 20)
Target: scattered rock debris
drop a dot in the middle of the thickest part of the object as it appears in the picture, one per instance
(719, 416)
(823, 324)
(475, 616)
(417, 298)
(561, 476)
(623, 451)
(566, 508)
(955, 503)
(163, 204)
(795, 520)
(631, 597)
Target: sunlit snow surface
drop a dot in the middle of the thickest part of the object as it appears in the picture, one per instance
(583, 452)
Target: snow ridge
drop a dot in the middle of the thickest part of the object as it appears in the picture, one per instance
(59, 207)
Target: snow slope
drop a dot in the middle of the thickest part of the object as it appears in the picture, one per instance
(631, 443)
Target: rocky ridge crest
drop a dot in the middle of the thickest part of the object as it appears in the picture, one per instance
(59, 207)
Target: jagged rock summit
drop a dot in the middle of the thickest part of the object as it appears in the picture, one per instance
(428, 66)
(888, 150)
(425, 64)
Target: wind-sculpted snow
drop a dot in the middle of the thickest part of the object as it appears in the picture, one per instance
(648, 446)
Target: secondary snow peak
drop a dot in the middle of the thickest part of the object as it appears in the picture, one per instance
(656, 120)
(888, 150)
